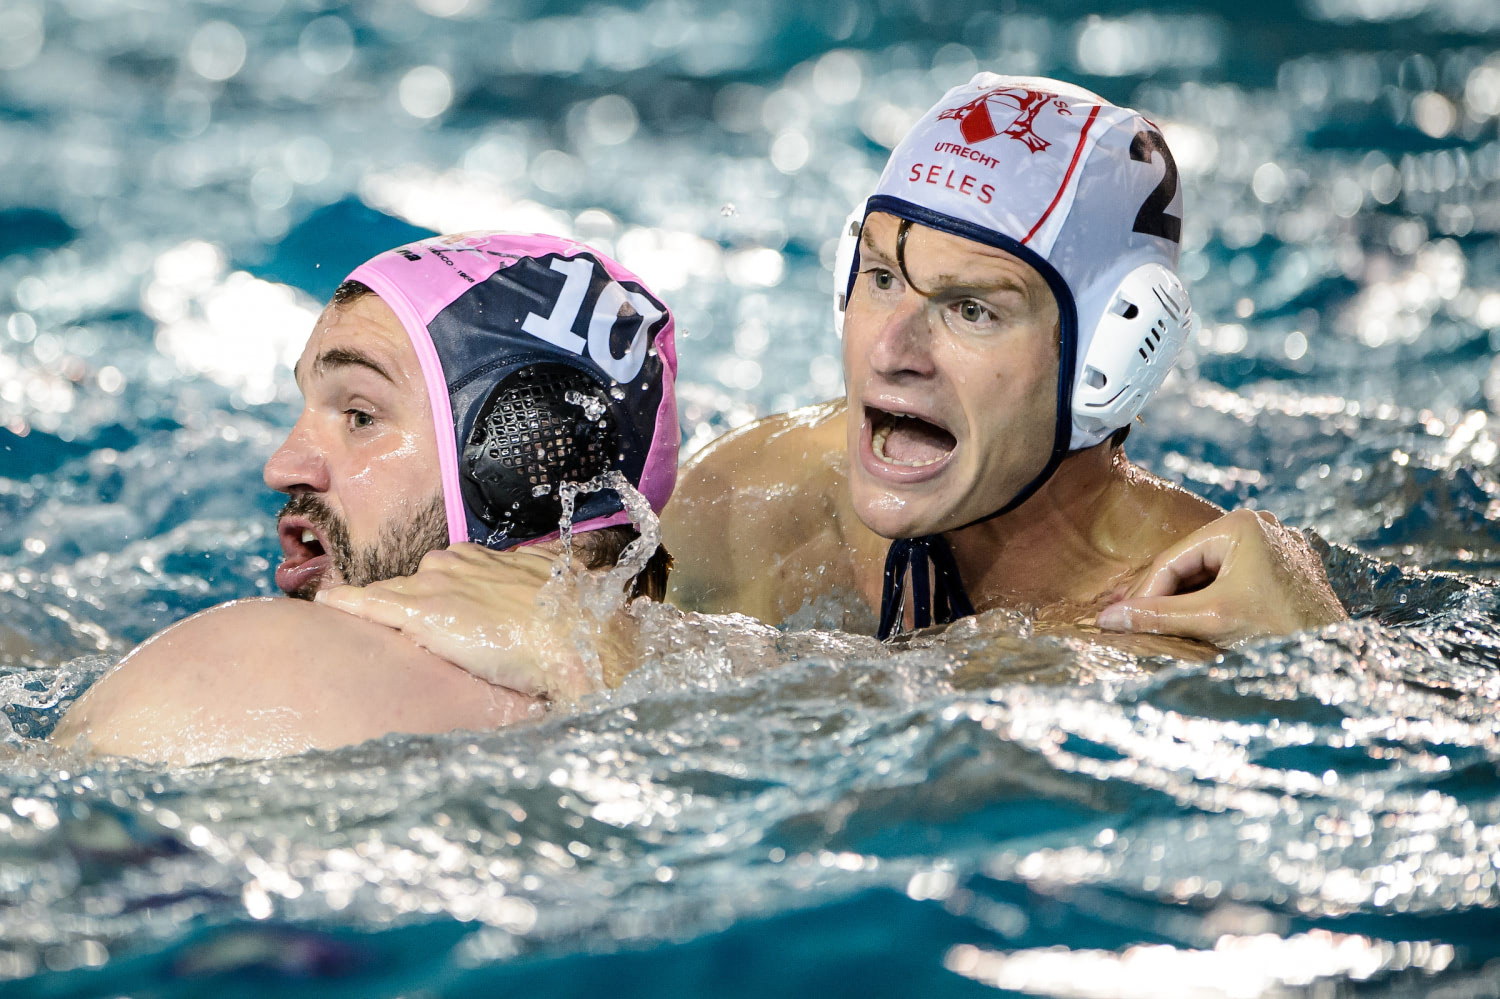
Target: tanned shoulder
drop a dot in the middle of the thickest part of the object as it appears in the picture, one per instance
(748, 500)
(1182, 511)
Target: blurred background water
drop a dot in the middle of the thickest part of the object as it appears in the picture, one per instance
(182, 183)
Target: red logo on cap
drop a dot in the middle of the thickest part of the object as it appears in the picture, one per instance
(977, 123)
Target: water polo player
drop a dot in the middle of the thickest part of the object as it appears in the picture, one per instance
(450, 387)
(1012, 305)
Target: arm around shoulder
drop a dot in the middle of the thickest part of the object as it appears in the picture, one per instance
(1241, 577)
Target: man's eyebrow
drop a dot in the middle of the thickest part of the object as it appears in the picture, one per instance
(867, 244)
(344, 357)
(959, 283)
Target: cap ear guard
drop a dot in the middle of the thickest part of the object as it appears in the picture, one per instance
(843, 264)
(542, 425)
(1135, 345)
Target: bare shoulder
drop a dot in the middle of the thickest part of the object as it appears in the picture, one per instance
(747, 502)
(788, 448)
(272, 677)
(1176, 511)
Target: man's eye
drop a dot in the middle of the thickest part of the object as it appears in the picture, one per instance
(882, 279)
(359, 419)
(971, 311)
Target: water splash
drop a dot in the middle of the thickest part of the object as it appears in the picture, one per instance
(593, 599)
(593, 407)
(34, 699)
(635, 556)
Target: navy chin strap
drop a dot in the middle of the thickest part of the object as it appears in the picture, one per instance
(945, 603)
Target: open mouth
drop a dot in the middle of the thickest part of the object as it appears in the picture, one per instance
(907, 441)
(305, 557)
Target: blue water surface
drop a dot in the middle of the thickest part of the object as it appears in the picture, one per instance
(988, 811)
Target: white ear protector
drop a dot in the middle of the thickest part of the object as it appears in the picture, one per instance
(843, 263)
(1135, 344)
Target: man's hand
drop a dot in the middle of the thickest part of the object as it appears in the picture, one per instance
(1240, 577)
(478, 609)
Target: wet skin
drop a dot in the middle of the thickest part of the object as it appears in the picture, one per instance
(951, 373)
(274, 677)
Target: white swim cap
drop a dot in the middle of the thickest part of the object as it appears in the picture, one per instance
(1083, 191)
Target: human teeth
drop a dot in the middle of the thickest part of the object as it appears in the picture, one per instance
(308, 537)
(882, 433)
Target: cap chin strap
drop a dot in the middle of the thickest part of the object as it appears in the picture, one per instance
(947, 599)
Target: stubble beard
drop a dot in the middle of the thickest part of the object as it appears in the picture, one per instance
(397, 551)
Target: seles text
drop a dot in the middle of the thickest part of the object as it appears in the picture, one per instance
(965, 184)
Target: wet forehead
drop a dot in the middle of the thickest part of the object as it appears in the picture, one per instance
(365, 336)
(941, 259)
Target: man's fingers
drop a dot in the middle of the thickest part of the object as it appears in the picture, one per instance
(1189, 559)
(475, 554)
(1186, 616)
(475, 608)
(380, 604)
(345, 598)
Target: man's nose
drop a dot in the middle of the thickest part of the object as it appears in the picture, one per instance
(903, 346)
(297, 463)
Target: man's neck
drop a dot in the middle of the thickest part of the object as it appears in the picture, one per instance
(1062, 547)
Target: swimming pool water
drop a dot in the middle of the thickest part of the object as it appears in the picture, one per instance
(991, 810)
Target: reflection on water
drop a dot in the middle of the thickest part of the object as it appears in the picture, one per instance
(1235, 966)
(994, 808)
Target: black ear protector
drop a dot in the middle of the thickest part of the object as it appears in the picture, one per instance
(542, 425)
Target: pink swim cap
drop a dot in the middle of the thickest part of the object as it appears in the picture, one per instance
(545, 361)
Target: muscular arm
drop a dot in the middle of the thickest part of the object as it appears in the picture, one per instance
(274, 677)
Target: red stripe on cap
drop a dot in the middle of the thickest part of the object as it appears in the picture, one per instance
(1083, 135)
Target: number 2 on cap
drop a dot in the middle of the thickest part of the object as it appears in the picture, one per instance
(1153, 219)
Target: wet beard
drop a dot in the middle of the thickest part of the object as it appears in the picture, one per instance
(396, 552)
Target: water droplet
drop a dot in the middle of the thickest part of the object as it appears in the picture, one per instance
(592, 406)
